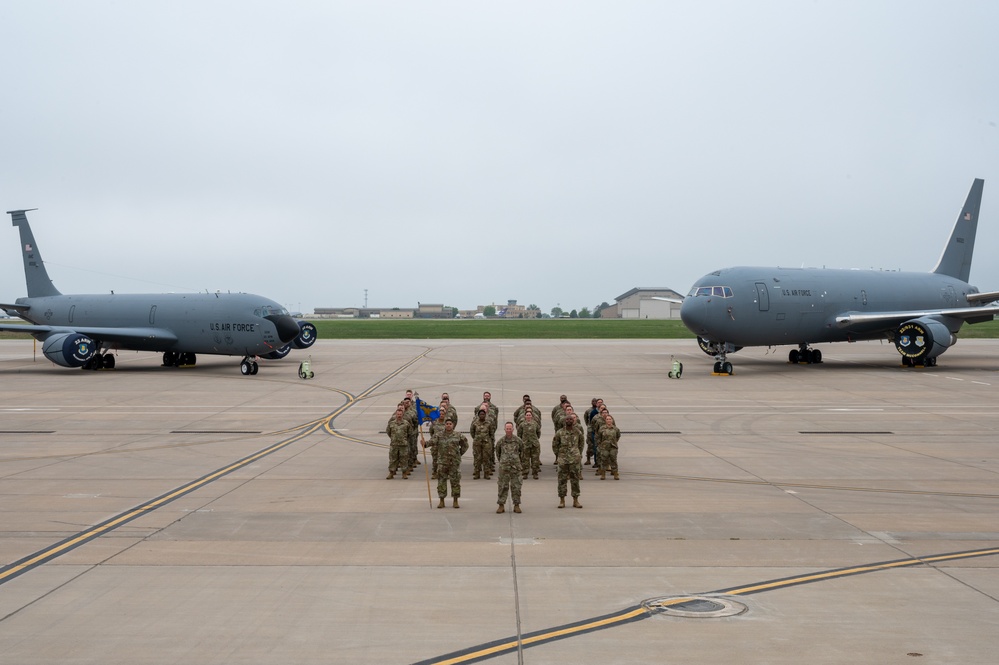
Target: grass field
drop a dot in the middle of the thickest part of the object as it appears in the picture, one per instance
(526, 329)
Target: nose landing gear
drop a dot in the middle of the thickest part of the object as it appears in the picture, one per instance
(248, 366)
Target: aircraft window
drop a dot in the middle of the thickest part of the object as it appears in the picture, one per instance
(717, 291)
(267, 311)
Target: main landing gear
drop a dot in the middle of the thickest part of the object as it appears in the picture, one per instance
(100, 361)
(919, 362)
(248, 367)
(804, 355)
(178, 359)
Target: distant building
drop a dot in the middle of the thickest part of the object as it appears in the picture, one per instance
(641, 303)
(364, 313)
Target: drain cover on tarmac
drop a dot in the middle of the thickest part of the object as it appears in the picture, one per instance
(695, 607)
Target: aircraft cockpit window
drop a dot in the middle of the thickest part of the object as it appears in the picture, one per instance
(267, 311)
(716, 291)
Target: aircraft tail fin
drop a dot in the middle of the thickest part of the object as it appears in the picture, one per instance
(956, 258)
(36, 276)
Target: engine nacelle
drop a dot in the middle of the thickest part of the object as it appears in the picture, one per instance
(922, 339)
(69, 349)
(307, 335)
(279, 353)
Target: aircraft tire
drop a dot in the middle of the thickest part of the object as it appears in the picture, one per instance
(245, 368)
(108, 361)
(254, 368)
(727, 368)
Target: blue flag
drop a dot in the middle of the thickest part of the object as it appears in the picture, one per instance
(426, 412)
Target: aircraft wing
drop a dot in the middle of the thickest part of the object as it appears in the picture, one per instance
(969, 314)
(112, 335)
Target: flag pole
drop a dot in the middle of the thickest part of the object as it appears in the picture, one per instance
(426, 468)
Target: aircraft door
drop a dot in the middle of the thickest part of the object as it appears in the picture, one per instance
(763, 297)
(152, 315)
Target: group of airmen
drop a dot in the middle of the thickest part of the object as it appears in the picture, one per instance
(516, 453)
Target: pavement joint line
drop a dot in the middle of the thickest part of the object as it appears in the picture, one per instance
(636, 613)
(32, 561)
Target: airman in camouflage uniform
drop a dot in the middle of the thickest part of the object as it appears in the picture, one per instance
(529, 431)
(450, 447)
(568, 445)
(436, 430)
(414, 434)
(609, 437)
(398, 429)
(487, 400)
(482, 443)
(508, 451)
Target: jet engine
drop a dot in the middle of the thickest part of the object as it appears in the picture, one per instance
(69, 349)
(279, 353)
(306, 337)
(923, 339)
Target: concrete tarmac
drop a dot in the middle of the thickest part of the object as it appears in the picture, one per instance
(842, 512)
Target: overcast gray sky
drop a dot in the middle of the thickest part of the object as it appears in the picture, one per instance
(472, 152)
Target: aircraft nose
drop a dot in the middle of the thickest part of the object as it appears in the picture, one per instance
(287, 327)
(693, 315)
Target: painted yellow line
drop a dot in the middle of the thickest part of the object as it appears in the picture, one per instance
(93, 532)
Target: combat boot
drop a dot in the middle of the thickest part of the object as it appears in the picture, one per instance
(561, 502)
(476, 476)
(390, 476)
(603, 475)
(588, 458)
(405, 474)
(441, 503)
(500, 509)
(576, 503)
(454, 503)
(535, 475)
(616, 477)
(516, 507)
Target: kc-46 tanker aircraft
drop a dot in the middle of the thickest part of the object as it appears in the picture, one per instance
(920, 313)
(80, 330)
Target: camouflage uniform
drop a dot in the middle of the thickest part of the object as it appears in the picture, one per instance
(450, 448)
(398, 433)
(414, 434)
(609, 437)
(591, 417)
(568, 445)
(508, 451)
(436, 430)
(482, 446)
(530, 435)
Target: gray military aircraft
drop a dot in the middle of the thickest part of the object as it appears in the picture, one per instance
(920, 313)
(80, 330)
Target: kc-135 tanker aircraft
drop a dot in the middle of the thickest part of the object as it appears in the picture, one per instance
(920, 313)
(80, 330)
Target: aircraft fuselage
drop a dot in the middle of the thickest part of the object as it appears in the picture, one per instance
(760, 306)
(223, 323)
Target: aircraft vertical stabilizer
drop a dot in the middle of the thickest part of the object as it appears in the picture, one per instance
(956, 258)
(35, 275)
